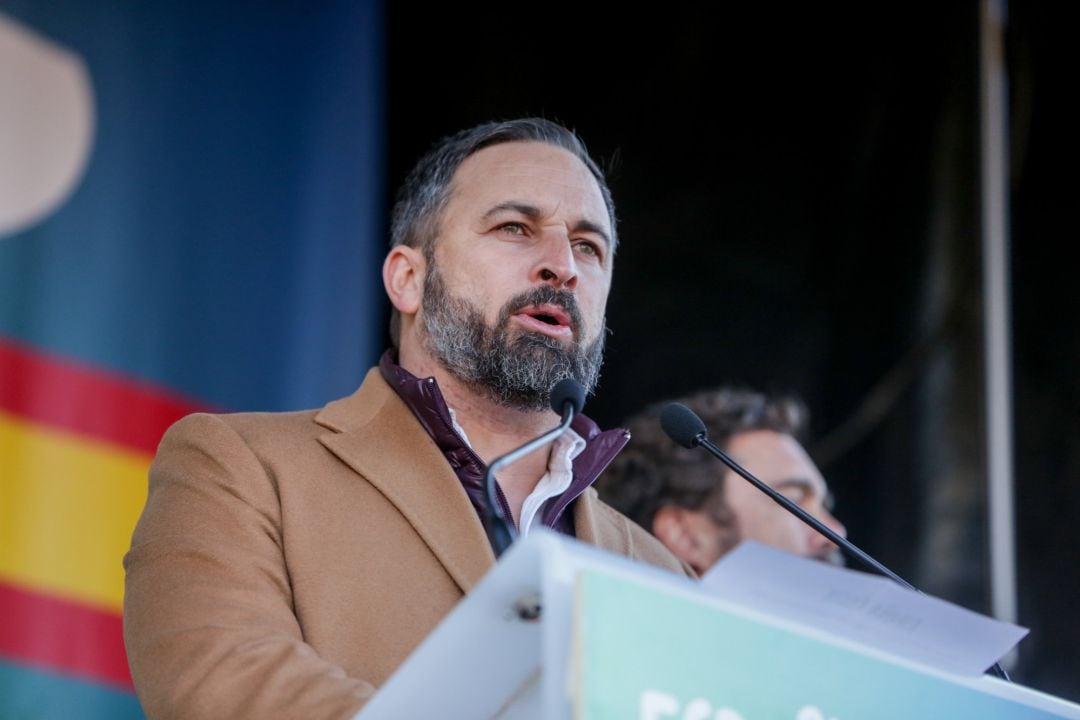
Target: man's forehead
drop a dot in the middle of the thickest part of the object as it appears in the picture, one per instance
(777, 456)
(531, 173)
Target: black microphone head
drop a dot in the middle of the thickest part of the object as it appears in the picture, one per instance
(567, 390)
(682, 425)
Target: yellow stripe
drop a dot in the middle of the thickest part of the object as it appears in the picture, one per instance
(67, 509)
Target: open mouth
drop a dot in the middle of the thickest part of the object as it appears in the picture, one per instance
(547, 319)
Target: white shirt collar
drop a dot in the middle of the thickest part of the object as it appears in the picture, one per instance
(557, 479)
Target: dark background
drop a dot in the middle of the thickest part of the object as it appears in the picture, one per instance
(798, 194)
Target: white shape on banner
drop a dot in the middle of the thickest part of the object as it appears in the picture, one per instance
(46, 125)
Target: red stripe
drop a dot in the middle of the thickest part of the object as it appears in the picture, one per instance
(95, 403)
(62, 635)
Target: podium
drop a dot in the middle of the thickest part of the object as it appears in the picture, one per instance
(560, 630)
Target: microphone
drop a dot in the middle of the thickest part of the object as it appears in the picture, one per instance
(684, 427)
(567, 399)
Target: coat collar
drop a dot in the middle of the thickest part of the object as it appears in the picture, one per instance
(376, 435)
(424, 398)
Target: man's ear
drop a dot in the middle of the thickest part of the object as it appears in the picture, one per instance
(686, 534)
(403, 276)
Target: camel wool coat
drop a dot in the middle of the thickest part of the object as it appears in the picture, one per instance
(287, 563)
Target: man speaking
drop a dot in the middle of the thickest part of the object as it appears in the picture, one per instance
(287, 563)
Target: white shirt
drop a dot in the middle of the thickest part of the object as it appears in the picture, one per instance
(559, 475)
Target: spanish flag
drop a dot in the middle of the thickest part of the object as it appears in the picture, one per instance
(75, 443)
(190, 219)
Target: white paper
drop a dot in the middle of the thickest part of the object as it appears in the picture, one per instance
(866, 609)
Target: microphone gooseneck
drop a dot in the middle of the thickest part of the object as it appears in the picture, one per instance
(684, 427)
(567, 399)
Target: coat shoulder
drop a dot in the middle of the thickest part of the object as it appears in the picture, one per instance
(617, 532)
(283, 434)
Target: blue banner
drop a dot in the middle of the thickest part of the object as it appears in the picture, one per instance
(191, 217)
(225, 235)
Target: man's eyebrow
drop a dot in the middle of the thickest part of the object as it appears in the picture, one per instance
(828, 501)
(591, 227)
(534, 213)
(530, 211)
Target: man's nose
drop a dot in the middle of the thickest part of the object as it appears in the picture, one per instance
(828, 520)
(556, 264)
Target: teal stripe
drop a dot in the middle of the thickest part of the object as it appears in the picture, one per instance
(29, 694)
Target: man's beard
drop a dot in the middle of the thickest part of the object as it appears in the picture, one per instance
(515, 369)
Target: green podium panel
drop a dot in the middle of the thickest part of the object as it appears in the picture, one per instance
(650, 652)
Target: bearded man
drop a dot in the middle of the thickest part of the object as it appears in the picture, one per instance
(287, 563)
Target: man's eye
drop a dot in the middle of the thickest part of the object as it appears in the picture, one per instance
(795, 495)
(513, 228)
(588, 248)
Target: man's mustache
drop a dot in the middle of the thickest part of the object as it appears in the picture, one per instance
(544, 295)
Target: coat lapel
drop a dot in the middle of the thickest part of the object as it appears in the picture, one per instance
(376, 435)
(596, 527)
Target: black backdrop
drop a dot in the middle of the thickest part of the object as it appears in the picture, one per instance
(799, 212)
